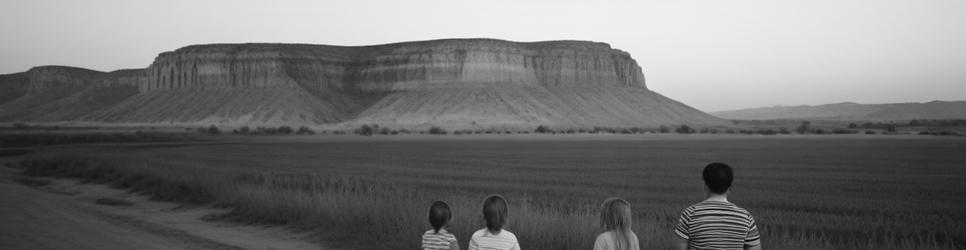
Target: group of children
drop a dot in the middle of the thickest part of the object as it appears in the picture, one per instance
(714, 223)
(615, 219)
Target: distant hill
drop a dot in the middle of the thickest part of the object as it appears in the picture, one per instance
(854, 112)
(451, 83)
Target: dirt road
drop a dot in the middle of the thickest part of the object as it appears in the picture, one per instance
(63, 214)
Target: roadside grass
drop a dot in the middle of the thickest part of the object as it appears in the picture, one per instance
(386, 210)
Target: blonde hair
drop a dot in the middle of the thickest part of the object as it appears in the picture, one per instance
(615, 214)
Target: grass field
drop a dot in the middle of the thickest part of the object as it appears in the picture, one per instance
(848, 192)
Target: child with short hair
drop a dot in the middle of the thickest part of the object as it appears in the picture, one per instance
(438, 238)
(494, 236)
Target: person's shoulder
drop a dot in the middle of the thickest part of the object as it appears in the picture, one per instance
(744, 212)
(692, 207)
(605, 236)
(633, 236)
(507, 234)
(479, 233)
(634, 241)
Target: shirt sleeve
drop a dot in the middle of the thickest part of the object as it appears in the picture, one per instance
(516, 246)
(753, 238)
(682, 229)
(473, 245)
(600, 244)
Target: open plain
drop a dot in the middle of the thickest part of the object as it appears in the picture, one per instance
(807, 192)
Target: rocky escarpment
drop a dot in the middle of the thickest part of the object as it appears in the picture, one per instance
(60, 93)
(402, 66)
(454, 83)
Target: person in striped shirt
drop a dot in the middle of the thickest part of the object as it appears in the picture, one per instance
(494, 236)
(438, 238)
(716, 223)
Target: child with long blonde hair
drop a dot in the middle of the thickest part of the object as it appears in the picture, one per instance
(615, 221)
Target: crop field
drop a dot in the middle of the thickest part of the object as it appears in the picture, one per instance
(849, 192)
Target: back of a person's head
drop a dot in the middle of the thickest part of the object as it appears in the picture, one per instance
(718, 177)
(615, 215)
(439, 215)
(494, 213)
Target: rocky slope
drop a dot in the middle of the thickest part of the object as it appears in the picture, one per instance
(455, 83)
(855, 112)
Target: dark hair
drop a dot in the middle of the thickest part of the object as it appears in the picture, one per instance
(494, 212)
(439, 215)
(718, 177)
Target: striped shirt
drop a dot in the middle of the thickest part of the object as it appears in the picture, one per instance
(438, 241)
(717, 225)
(484, 240)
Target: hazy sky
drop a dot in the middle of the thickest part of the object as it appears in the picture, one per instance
(712, 55)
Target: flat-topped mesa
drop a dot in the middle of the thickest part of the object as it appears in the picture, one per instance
(59, 78)
(399, 66)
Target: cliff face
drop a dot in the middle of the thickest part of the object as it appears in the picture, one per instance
(456, 83)
(60, 93)
(391, 67)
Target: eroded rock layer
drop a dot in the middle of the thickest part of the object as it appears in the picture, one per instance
(456, 83)
(401, 66)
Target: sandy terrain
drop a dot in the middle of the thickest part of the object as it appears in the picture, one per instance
(67, 215)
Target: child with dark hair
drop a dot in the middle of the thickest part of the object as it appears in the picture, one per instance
(494, 236)
(438, 238)
(716, 223)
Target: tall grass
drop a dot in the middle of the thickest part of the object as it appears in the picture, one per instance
(375, 212)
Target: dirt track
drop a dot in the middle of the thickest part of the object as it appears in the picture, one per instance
(65, 215)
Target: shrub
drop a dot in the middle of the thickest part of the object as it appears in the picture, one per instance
(543, 129)
(365, 130)
(244, 130)
(303, 130)
(802, 129)
(784, 131)
(285, 130)
(891, 128)
(684, 129)
(212, 130)
(664, 129)
(384, 131)
(870, 132)
(437, 131)
(21, 125)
